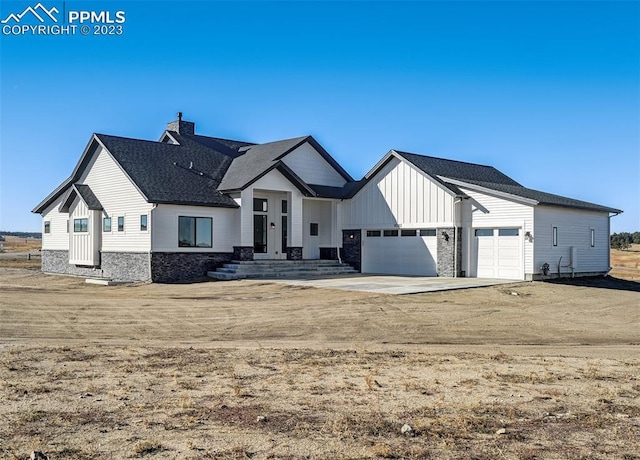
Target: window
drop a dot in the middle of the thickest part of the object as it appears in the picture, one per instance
(121, 224)
(555, 236)
(47, 226)
(285, 206)
(81, 225)
(106, 224)
(313, 230)
(484, 232)
(390, 233)
(194, 232)
(143, 223)
(508, 232)
(260, 205)
(373, 233)
(593, 238)
(428, 232)
(67, 225)
(407, 232)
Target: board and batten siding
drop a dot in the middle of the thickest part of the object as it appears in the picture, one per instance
(312, 168)
(574, 230)
(487, 211)
(224, 221)
(58, 239)
(119, 198)
(84, 247)
(399, 194)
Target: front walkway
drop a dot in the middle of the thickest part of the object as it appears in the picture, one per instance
(387, 284)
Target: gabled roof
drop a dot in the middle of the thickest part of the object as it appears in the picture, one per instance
(188, 173)
(537, 196)
(258, 159)
(455, 174)
(85, 193)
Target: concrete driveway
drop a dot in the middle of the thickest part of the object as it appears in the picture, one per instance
(386, 284)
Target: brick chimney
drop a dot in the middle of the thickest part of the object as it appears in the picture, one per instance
(182, 127)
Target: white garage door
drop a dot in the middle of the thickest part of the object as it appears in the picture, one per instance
(498, 253)
(400, 252)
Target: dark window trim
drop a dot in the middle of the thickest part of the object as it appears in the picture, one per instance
(195, 233)
(121, 223)
(390, 233)
(81, 225)
(408, 232)
(314, 229)
(373, 233)
(144, 226)
(47, 226)
(428, 232)
(592, 233)
(554, 236)
(260, 205)
(104, 224)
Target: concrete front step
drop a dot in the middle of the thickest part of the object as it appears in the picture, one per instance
(280, 269)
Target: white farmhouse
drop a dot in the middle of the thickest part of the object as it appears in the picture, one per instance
(180, 207)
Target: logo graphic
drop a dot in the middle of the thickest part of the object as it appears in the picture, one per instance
(34, 11)
(38, 20)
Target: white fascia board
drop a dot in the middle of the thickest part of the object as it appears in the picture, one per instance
(489, 191)
(168, 134)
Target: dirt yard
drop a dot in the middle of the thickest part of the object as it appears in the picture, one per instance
(236, 370)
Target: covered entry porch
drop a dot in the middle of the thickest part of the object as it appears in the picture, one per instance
(284, 224)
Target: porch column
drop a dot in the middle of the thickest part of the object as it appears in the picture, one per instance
(245, 250)
(296, 220)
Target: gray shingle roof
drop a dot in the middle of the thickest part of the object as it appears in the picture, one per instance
(489, 177)
(256, 161)
(543, 198)
(88, 197)
(86, 194)
(188, 173)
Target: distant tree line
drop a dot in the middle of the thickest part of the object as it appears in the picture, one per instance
(624, 240)
(22, 234)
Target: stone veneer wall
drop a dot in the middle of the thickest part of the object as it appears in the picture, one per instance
(351, 252)
(294, 253)
(243, 253)
(117, 266)
(446, 251)
(170, 267)
(329, 253)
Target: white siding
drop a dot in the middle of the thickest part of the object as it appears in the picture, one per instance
(487, 211)
(164, 220)
(319, 212)
(119, 197)
(59, 237)
(401, 195)
(312, 168)
(574, 230)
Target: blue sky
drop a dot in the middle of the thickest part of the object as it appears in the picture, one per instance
(547, 92)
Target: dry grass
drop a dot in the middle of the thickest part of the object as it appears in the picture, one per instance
(262, 371)
(626, 264)
(549, 407)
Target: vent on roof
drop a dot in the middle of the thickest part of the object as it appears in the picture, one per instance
(182, 127)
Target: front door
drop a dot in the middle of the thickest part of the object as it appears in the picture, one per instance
(269, 227)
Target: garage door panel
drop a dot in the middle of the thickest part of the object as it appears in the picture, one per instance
(498, 253)
(400, 255)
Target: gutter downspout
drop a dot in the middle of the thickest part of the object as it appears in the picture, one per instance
(338, 206)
